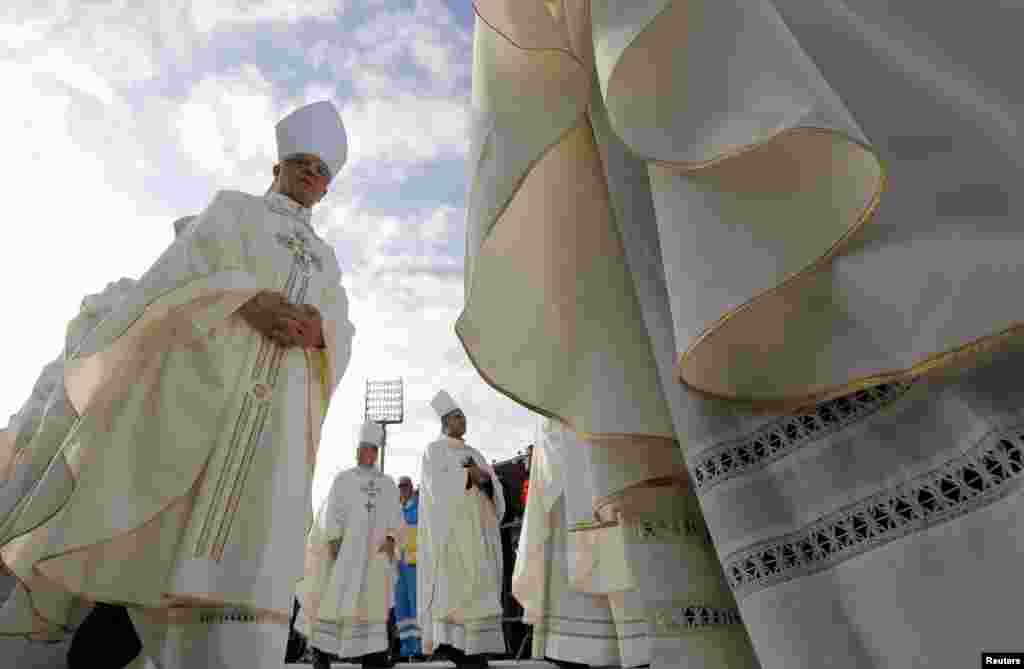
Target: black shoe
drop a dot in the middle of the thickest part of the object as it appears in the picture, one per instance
(449, 653)
(381, 660)
(478, 661)
(320, 659)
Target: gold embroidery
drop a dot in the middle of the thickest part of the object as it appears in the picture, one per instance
(240, 455)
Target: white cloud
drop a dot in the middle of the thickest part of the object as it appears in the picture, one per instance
(406, 128)
(225, 127)
(441, 224)
(208, 15)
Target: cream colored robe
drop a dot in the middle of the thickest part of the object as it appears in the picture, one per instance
(346, 601)
(39, 428)
(459, 558)
(38, 432)
(747, 224)
(553, 571)
(195, 451)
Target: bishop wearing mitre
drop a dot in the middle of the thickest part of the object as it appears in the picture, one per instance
(350, 561)
(200, 403)
(459, 561)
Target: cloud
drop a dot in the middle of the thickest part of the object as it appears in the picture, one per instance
(225, 126)
(207, 16)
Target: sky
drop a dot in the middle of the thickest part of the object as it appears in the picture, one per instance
(121, 117)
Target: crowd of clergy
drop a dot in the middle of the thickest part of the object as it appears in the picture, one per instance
(156, 485)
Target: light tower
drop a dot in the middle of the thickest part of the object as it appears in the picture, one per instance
(384, 407)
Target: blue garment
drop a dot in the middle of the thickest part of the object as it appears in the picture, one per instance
(405, 594)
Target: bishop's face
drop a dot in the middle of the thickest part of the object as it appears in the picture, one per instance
(302, 177)
(456, 422)
(366, 456)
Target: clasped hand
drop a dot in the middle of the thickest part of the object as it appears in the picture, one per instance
(387, 547)
(289, 325)
(476, 475)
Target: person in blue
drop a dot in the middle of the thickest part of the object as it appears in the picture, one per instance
(410, 642)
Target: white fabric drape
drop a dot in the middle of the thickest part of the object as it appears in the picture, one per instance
(778, 205)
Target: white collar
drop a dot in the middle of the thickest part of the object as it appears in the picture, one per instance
(282, 204)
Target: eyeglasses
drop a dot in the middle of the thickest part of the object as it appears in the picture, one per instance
(316, 166)
(404, 485)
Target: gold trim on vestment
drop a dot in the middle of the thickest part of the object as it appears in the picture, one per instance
(681, 482)
(787, 400)
(207, 611)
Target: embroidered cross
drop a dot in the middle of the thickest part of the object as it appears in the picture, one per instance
(298, 244)
(371, 490)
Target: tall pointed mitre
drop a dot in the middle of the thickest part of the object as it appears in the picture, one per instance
(314, 129)
(371, 433)
(443, 404)
(181, 225)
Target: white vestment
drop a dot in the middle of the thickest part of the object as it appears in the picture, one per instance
(569, 623)
(38, 429)
(709, 213)
(459, 558)
(642, 577)
(37, 432)
(193, 459)
(346, 601)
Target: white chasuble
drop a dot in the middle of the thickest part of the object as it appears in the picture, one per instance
(38, 431)
(569, 623)
(193, 457)
(346, 601)
(459, 558)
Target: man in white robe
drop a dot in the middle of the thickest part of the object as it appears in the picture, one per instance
(201, 401)
(350, 558)
(551, 579)
(36, 434)
(459, 562)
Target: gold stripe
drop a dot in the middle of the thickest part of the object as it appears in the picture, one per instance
(241, 421)
(231, 505)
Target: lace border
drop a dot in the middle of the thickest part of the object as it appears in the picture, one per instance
(990, 471)
(783, 437)
(660, 530)
(681, 618)
(653, 530)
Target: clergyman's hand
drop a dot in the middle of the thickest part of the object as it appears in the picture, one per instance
(476, 474)
(270, 314)
(310, 327)
(387, 547)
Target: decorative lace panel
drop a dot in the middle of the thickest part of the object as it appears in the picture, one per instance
(645, 530)
(990, 471)
(680, 618)
(787, 435)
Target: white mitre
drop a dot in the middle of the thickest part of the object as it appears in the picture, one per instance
(371, 433)
(315, 129)
(181, 225)
(443, 404)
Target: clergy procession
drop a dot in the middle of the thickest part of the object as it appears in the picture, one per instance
(763, 333)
